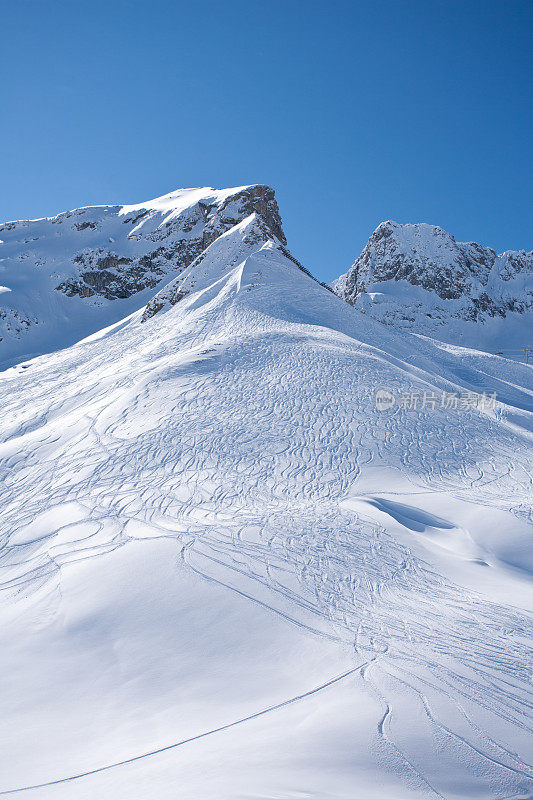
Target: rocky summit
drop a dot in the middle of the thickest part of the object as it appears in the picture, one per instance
(67, 276)
(419, 278)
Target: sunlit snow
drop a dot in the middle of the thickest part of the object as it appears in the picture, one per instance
(226, 574)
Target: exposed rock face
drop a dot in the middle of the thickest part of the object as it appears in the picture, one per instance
(463, 280)
(77, 266)
(253, 232)
(114, 276)
(252, 199)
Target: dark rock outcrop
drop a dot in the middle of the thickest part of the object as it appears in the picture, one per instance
(115, 276)
(480, 283)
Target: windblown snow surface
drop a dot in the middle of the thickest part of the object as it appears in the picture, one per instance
(226, 574)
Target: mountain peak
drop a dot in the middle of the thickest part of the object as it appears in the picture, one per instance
(64, 277)
(418, 277)
(231, 205)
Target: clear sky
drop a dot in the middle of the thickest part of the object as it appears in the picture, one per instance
(355, 112)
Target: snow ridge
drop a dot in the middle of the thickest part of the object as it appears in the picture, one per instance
(70, 275)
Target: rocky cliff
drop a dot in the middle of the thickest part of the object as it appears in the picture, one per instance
(418, 277)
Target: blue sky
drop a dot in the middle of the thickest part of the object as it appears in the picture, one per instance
(355, 112)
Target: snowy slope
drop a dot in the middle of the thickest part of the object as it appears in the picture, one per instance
(227, 573)
(418, 278)
(65, 277)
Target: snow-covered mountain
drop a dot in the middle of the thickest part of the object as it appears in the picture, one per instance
(418, 278)
(67, 276)
(255, 543)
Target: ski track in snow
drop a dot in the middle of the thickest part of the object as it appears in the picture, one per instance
(238, 437)
(183, 742)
